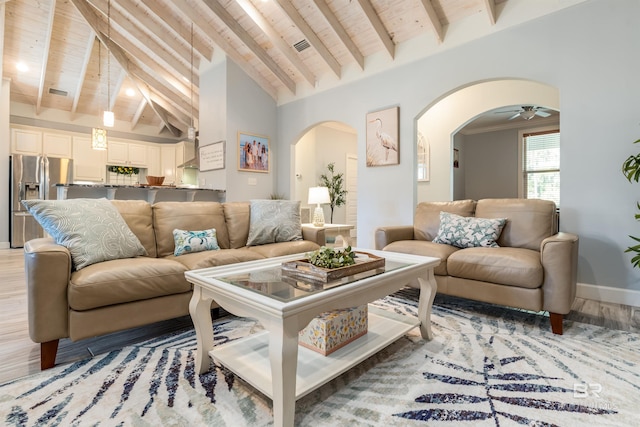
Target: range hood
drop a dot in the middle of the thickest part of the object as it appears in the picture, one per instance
(193, 163)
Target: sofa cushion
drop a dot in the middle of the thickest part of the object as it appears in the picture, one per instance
(427, 218)
(207, 259)
(92, 229)
(167, 216)
(529, 221)
(425, 248)
(468, 232)
(125, 280)
(237, 215)
(194, 241)
(273, 221)
(139, 217)
(271, 250)
(505, 266)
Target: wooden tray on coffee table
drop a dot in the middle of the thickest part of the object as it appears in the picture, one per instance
(303, 269)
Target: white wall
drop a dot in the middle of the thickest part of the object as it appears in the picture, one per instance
(5, 149)
(595, 73)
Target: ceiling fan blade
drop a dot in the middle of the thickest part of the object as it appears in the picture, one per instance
(514, 116)
(542, 113)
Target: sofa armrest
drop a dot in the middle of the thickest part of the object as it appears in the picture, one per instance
(314, 234)
(393, 233)
(47, 268)
(559, 257)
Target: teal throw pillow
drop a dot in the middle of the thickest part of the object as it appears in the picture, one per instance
(273, 221)
(92, 229)
(194, 241)
(469, 232)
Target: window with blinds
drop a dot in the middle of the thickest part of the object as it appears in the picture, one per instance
(541, 165)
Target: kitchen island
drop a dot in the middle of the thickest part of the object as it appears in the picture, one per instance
(152, 194)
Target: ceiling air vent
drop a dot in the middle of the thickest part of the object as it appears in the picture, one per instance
(302, 45)
(53, 91)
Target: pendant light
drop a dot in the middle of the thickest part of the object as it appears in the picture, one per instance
(108, 119)
(191, 131)
(99, 136)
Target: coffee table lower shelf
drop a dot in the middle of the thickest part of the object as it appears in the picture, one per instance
(249, 357)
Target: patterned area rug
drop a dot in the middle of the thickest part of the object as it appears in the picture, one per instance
(486, 366)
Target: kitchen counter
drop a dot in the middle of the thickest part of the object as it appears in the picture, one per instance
(152, 194)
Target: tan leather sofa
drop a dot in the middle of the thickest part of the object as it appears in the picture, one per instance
(119, 294)
(534, 268)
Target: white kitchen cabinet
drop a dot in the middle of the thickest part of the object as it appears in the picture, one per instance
(26, 142)
(154, 165)
(168, 163)
(185, 150)
(88, 164)
(126, 154)
(57, 145)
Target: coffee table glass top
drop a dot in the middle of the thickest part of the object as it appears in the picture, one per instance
(271, 282)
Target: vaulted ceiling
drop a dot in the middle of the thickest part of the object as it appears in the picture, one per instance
(140, 58)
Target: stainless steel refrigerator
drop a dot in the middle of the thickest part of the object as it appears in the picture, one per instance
(33, 177)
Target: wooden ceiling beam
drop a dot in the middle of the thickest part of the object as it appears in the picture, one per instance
(83, 73)
(251, 43)
(200, 21)
(310, 35)
(490, 7)
(434, 21)
(89, 14)
(145, 21)
(144, 39)
(138, 114)
(277, 40)
(184, 31)
(378, 26)
(45, 56)
(116, 89)
(339, 30)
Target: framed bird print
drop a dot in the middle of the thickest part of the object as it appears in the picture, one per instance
(383, 137)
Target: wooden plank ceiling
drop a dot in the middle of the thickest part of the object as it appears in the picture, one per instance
(140, 58)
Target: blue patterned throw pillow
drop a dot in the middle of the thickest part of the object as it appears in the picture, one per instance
(92, 229)
(194, 241)
(469, 232)
(273, 221)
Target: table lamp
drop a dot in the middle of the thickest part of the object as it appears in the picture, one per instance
(318, 195)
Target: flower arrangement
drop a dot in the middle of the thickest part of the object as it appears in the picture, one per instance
(123, 170)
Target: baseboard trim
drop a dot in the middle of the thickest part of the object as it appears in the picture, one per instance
(4, 245)
(608, 294)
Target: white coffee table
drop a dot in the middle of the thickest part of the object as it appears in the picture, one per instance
(269, 360)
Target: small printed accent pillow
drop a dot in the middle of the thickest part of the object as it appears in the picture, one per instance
(92, 229)
(194, 241)
(273, 221)
(469, 232)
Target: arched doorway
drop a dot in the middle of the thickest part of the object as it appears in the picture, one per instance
(324, 143)
(441, 120)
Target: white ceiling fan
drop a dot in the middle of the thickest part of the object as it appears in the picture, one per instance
(527, 112)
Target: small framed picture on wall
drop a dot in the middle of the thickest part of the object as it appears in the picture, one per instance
(254, 153)
(383, 137)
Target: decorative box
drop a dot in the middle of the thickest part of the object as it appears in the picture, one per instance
(334, 329)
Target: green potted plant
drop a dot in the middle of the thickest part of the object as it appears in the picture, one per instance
(631, 170)
(335, 183)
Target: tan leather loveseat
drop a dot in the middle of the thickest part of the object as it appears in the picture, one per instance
(124, 293)
(534, 267)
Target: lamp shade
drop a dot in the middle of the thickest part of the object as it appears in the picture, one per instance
(108, 119)
(319, 195)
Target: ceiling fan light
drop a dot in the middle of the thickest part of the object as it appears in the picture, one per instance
(527, 115)
(108, 119)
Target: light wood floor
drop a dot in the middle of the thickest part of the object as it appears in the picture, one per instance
(20, 356)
